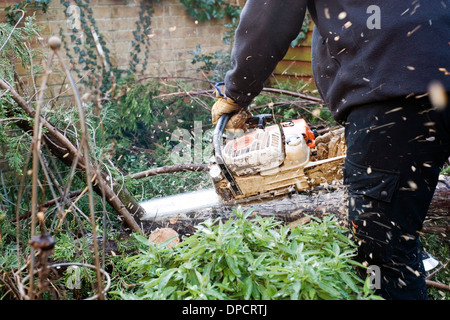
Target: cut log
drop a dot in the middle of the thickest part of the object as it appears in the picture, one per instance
(331, 200)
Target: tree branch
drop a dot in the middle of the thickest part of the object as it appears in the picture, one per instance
(169, 169)
(437, 285)
(65, 150)
(295, 94)
(272, 90)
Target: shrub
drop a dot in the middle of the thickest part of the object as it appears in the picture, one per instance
(256, 258)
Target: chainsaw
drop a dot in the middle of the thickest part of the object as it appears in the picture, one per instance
(265, 163)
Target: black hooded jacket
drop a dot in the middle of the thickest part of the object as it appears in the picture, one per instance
(362, 51)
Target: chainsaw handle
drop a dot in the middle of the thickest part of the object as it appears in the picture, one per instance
(217, 145)
(218, 133)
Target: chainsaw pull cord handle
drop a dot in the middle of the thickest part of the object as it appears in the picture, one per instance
(217, 145)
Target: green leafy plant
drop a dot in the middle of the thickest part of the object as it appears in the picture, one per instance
(251, 258)
(203, 10)
(141, 40)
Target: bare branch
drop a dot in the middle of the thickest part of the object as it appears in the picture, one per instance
(169, 169)
(437, 285)
(295, 94)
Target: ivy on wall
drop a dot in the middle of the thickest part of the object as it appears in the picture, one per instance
(90, 56)
(13, 11)
(141, 35)
(303, 32)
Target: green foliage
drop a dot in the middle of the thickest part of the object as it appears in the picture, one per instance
(138, 132)
(8, 252)
(314, 114)
(303, 32)
(446, 169)
(16, 46)
(147, 122)
(84, 57)
(13, 14)
(215, 64)
(102, 74)
(247, 258)
(438, 245)
(15, 144)
(203, 10)
(70, 248)
(141, 37)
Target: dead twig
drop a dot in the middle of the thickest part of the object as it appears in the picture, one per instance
(36, 143)
(55, 44)
(272, 90)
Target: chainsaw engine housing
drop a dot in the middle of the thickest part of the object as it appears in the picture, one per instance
(258, 151)
(266, 162)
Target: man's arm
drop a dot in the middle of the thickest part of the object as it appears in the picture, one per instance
(265, 31)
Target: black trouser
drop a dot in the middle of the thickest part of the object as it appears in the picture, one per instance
(395, 151)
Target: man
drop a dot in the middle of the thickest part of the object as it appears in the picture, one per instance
(378, 65)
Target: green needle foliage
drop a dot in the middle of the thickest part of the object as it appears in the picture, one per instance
(256, 258)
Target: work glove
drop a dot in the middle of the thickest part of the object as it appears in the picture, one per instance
(225, 105)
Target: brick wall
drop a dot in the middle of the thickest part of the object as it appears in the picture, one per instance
(173, 33)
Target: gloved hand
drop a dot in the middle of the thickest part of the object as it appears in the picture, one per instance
(227, 105)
